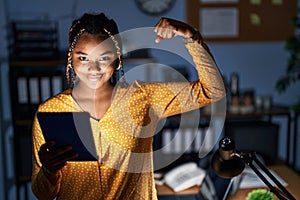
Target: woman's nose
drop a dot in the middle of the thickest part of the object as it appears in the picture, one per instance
(94, 65)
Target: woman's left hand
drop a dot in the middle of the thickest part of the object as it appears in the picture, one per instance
(168, 28)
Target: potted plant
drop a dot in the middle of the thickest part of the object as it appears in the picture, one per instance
(260, 194)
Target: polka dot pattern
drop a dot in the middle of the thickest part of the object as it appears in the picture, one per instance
(124, 136)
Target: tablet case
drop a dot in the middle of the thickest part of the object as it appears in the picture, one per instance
(70, 128)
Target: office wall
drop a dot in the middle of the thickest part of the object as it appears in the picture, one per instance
(259, 64)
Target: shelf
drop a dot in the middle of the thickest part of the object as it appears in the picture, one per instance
(33, 39)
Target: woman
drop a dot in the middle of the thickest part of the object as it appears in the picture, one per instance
(121, 115)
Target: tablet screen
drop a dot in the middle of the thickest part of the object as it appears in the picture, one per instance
(70, 128)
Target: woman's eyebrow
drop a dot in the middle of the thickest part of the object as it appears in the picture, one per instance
(80, 52)
(104, 53)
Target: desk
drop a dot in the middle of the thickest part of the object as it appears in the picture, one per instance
(286, 173)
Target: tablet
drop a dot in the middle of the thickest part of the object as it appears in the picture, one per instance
(70, 128)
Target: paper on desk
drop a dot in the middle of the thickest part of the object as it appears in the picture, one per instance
(251, 180)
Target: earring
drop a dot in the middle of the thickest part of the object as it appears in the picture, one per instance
(120, 67)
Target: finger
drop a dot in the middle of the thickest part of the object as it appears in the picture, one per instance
(55, 168)
(58, 167)
(60, 161)
(57, 152)
(158, 25)
(45, 147)
(67, 156)
(50, 156)
(63, 161)
(158, 39)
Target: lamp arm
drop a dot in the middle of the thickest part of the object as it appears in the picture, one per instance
(283, 193)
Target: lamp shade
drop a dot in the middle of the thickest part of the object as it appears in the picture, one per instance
(224, 162)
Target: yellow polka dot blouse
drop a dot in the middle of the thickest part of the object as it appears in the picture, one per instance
(123, 136)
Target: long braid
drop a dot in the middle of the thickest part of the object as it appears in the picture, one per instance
(119, 53)
(70, 68)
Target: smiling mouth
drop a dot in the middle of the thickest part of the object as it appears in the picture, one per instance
(95, 77)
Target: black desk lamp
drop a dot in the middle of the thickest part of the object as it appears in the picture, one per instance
(228, 163)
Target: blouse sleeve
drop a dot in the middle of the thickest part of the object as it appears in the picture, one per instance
(41, 186)
(174, 98)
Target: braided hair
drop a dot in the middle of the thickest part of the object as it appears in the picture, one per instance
(93, 24)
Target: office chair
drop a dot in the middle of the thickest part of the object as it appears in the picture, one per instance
(29, 86)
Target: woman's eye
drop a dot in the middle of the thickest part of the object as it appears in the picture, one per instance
(106, 58)
(82, 58)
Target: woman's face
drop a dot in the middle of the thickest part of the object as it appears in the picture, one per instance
(94, 60)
